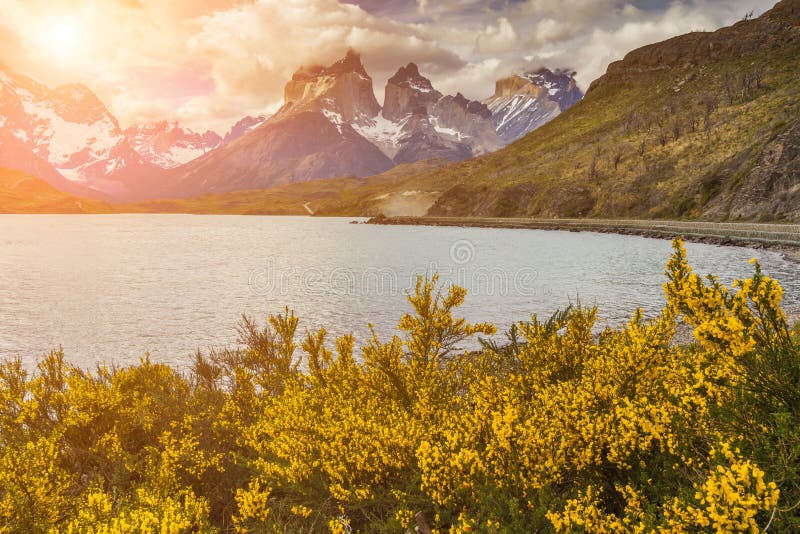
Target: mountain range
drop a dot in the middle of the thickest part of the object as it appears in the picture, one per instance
(67, 137)
(330, 125)
(701, 126)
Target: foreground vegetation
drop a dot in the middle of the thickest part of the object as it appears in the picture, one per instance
(559, 429)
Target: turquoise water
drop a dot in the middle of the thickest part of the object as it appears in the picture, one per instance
(111, 288)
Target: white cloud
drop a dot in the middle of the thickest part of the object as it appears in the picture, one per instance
(496, 38)
(255, 48)
(210, 62)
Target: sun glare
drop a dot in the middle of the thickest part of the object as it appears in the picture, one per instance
(60, 36)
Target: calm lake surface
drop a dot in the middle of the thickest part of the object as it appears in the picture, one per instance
(110, 288)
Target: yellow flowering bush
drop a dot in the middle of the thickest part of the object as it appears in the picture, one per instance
(565, 427)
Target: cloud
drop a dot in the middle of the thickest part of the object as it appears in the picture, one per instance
(210, 62)
(588, 40)
(255, 48)
(496, 38)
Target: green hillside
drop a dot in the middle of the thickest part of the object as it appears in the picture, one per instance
(23, 193)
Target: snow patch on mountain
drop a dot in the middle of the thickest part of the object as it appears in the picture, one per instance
(528, 100)
(335, 118)
(59, 140)
(383, 133)
(168, 145)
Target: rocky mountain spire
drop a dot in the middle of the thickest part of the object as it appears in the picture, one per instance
(408, 93)
(343, 89)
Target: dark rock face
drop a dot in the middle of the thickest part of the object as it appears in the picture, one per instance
(343, 89)
(433, 125)
(771, 187)
(524, 102)
(408, 92)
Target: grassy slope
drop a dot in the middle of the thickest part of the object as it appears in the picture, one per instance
(323, 196)
(549, 172)
(23, 193)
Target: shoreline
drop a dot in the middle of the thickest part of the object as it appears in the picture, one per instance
(781, 238)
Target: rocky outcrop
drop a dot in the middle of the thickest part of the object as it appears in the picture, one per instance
(408, 93)
(344, 89)
(776, 28)
(524, 102)
(418, 122)
(466, 121)
(242, 127)
(771, 188)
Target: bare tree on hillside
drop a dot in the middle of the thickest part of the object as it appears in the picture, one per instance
(677, 129)
(616, 156)
(710, 104)
(729, 85)
(691, 121)
(663, 135)
(758, 75)
(593, 166)
(630, 120)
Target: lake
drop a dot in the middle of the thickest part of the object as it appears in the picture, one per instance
(109, 288)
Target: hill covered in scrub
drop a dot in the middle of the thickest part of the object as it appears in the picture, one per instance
(559, 429)
(23, 193)
(705, 125)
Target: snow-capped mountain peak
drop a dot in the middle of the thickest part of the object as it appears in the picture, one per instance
(242, 127)
(410, 77)
(525, 101)
(67, 127)
(167, 145)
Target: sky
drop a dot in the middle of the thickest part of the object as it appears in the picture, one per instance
(207, 63)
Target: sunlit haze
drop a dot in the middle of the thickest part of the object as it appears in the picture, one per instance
(208, 63)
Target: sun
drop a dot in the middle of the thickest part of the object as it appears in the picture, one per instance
(60, 36)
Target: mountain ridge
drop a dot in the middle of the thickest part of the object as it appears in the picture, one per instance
(717, 138)
(87, 152)
(416, 122)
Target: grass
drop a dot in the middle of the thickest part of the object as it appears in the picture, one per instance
(23, 193)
